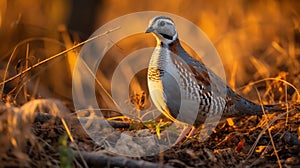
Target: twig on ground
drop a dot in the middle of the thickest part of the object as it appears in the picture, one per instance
(262, 132)
(269, 132)
(42, 117)
(100, 160)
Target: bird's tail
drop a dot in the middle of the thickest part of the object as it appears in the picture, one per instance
(240, 106)
(281, 107)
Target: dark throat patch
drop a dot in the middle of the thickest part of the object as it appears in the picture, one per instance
(167, 36)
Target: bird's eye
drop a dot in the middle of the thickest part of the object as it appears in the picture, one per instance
(162, 23)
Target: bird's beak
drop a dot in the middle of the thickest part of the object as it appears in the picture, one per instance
(149, 30)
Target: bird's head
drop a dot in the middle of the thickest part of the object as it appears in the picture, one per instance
(163, 28)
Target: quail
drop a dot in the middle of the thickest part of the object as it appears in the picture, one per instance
(175, 78)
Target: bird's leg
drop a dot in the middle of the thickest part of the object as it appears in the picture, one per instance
(192, 132)
(187, 129)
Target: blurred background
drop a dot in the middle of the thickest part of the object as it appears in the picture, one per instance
(255, 40)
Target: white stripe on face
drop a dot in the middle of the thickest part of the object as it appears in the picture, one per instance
(165, 20)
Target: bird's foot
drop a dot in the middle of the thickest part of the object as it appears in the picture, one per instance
(190, 130)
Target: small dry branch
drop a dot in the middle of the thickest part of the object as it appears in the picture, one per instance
(100, 160)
